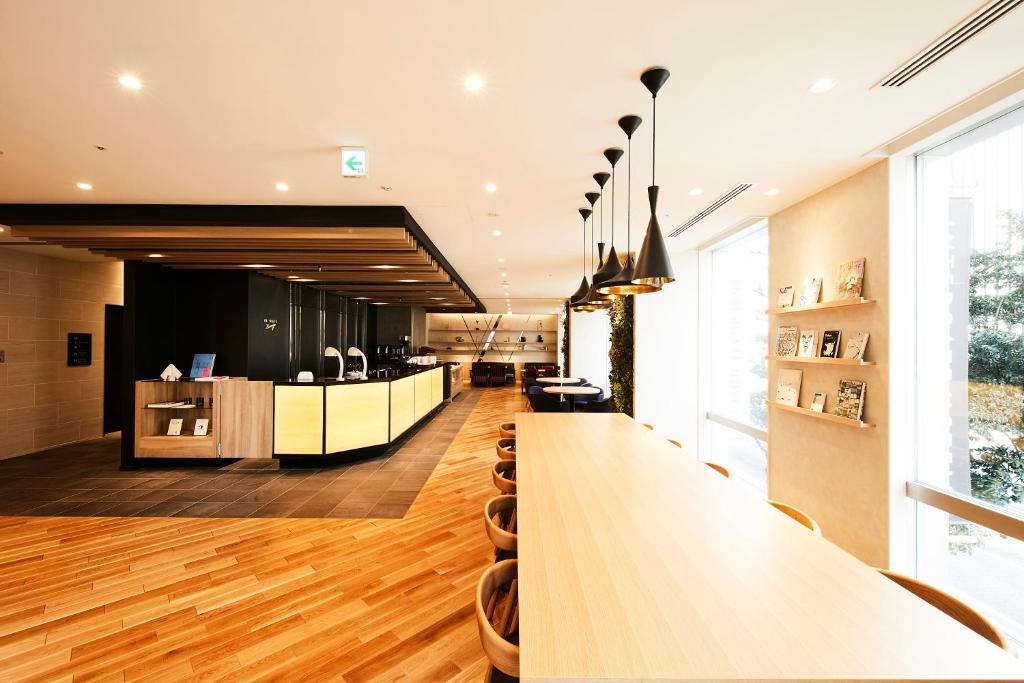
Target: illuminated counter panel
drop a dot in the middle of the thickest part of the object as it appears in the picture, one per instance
(423, 399)
(357, 416)
(437, 386)
(299, 420)
(403, 405)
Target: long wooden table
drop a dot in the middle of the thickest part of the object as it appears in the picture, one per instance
(638, 563)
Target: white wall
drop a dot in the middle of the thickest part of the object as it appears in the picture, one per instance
(589, 340)
(666, 359)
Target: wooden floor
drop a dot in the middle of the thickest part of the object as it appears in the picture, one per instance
(258, 599)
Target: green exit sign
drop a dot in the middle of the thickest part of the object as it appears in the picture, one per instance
(353, 162)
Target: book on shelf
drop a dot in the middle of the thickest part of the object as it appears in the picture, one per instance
(850, 399)
(850, 281)
(856, 345)
(786, 341)
(808, 344)
(830, 343)
(785, 299)
(818, 404)
(169, 404)
(174, 426)
(202, 365)
(787, 387)
(811, 291)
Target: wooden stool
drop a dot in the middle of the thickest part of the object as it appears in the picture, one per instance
(507, 430)
(497, 616)
(506, 449)
(500, 524)
(718, 468)
(798, 515)
(953, 607)
(504, 475)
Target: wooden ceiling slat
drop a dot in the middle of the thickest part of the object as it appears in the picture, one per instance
(243, 233)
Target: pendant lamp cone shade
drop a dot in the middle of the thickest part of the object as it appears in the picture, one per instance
(592, 301)
(579, 297)
(610, 267)
(621, 284)
(653, 264)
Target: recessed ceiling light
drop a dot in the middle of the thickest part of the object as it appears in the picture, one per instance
(281, 187)
(84, 186)
(360, 298)
(505, 286)
(130, 82)
(446, 304)
(437, 298)
(2, 228)
(504, 275)
(822, 85)
(501, 259)
(385, 267)
(303, 279)
(156, 256)
(256, 265)
(293, 277)
(772, 192)
(496, 233)
(696, 191)
(408, 280)
(490, 187)
(377, 303)
(474, 83)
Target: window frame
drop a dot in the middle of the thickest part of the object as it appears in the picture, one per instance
(707, 416)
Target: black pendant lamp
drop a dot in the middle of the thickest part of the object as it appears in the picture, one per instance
(601, 179)
(593, 301)
(622, 283)
(611, 266)
(580, 295)
(653, 265)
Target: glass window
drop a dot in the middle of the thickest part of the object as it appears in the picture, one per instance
(736, 277)
(970, 358)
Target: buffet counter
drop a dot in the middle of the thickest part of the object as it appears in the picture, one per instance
(329, 419)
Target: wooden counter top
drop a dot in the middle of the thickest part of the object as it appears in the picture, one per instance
(636, 562)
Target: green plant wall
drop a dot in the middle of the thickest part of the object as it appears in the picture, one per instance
(565, 340)
(621, 355)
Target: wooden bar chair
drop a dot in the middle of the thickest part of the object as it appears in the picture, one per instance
(504, 475)
(797, 514)
(506, 449)
(952, 607)
(497, 617)
(507, 430)
(500, 525)
(719, 468)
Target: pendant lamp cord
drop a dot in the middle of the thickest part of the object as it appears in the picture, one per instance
(654, 134)
(602, 214)
(584, 246)
(613, 205)
(629, 192)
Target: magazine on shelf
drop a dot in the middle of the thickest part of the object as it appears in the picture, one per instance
(850, 399)
(808, 344)
(811, 291)
(786, 341)
(850, 282)
(785, 296)
(818, 404)
(202, 365)
(856, 344)
(174, 427)
(787, 387)
(830, 343)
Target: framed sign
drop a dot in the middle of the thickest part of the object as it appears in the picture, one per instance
(79, 349)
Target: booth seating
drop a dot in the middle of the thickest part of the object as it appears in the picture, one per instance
(492, 374)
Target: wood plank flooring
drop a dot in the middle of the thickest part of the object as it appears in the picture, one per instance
(258, 599)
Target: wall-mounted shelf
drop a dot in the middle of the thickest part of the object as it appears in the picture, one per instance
(821, 361)
(835, 419)
(825, 304)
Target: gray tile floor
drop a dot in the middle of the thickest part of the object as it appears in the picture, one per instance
(84, 479)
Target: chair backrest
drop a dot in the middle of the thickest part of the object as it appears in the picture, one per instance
(497, 615)
(549, 403)
(497, 370)
(535, 389)
(718, 468)
(507, 430)
(504, 476)
(500, 521)
(797, 514)
(550, 371)
(506, 449)
(530, 371)
(952, 607)
(603, 405)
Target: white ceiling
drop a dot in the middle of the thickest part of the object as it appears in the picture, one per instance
(241, 94)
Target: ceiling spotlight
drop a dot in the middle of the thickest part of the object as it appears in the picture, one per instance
(256, 265)
(281, 187)
(496, 233)
(129, 81)
(501, 259)
(505, 285)
(772, 192)
(504, 275)
(2, 228)
(822, 85)
(474, 83)
(156, 256)
(385, 267)
(490, 187)
(83, 186)
(696, 191)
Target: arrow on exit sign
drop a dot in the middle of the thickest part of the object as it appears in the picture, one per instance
(353, 162)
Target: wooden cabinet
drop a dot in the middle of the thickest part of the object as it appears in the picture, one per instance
(239, 414)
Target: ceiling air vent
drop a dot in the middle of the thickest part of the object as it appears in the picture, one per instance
(985, 16)
(736, 191)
